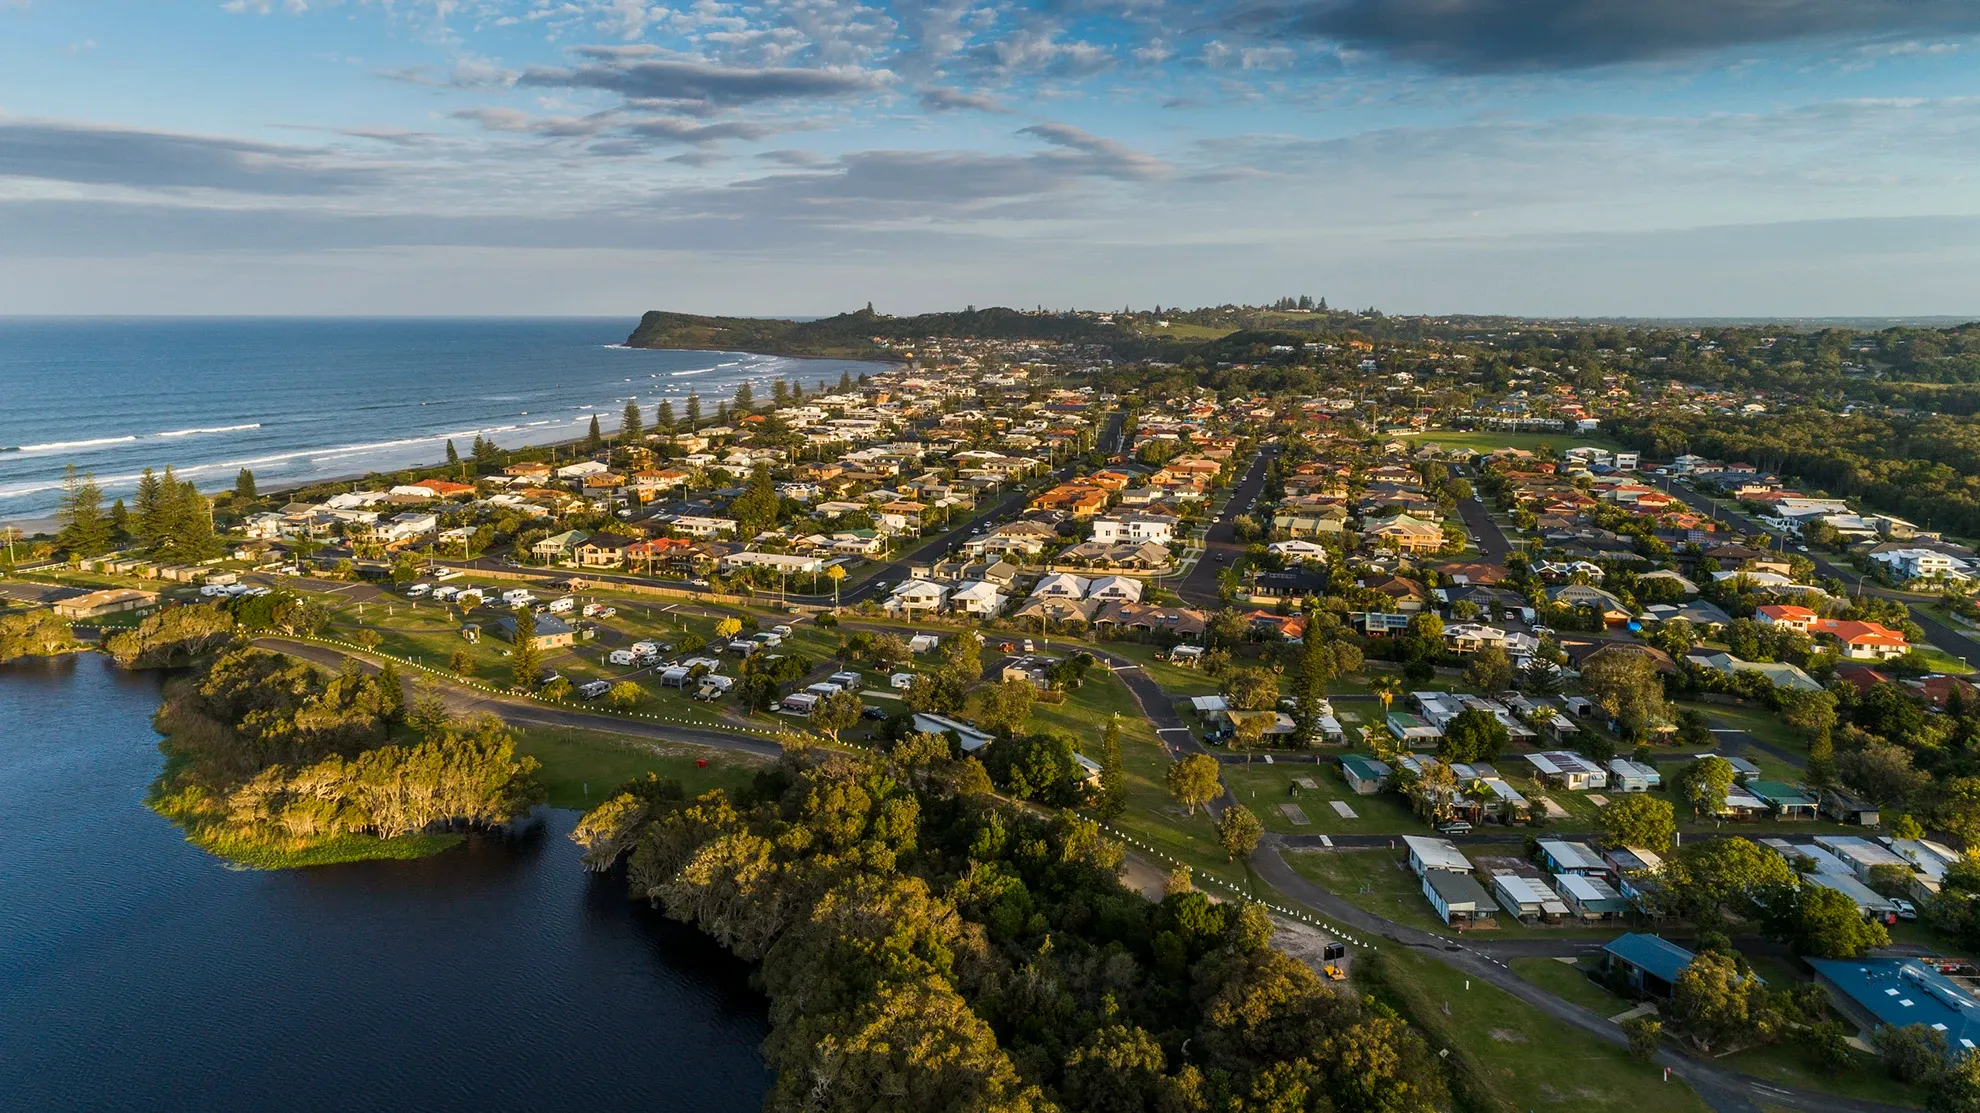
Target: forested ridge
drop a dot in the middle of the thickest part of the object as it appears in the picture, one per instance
(927, 946)
(850, 335)
(1923, 468)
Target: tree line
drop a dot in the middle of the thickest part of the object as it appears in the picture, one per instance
(928, 946)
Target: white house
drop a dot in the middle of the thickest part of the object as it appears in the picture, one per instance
(1114, 589)
(1062, 585)
(581, 469)
(980, 598)
(787, 563)
(1134, 529)
(917, 596)
(695, 525)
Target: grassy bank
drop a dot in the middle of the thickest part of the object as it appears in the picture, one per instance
(1506, 1056)
(580, 767)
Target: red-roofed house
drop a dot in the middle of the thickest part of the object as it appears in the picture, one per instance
(1862, 641)
(1788, 615)
(1860, 677)
(445, 489)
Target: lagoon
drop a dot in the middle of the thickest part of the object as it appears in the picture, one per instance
(137, 972)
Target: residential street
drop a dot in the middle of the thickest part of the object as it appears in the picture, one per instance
(1220, 548)
(1960, 643)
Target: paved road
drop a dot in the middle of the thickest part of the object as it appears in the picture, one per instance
(1727, 1091)
(522, 712)
(1220, 546)
(1492, 541)
(1960, 643)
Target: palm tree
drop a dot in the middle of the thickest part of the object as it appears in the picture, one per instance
(1387, 688)
(836, 574)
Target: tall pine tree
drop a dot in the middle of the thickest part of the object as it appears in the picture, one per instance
(453, 456)
(244, 488)
(663, 418)
(149, 524)
(593, 439)
(85, 530)
(693, 410)
(630, 431)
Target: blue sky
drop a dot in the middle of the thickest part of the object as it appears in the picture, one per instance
(1591, 157)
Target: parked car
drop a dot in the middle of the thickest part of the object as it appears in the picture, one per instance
(1905, 909)
(1454, 827)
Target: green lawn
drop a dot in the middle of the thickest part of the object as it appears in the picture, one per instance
(1489, 441)
(1508, 1056)
(581, 766)
(1381, 882)
(1262, 788)
(1569, 980)
(1789, 1065)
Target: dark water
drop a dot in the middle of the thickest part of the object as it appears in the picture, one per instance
(138, 973)
(297, 400)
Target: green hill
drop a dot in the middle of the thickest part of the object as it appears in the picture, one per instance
(851, 335)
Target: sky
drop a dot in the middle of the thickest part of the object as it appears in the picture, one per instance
(1547, 157)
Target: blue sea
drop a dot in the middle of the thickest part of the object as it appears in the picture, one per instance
(311, 399)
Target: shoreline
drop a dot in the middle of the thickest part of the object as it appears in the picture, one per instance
(47, 524)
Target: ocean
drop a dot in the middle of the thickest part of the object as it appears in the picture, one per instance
(311, 399)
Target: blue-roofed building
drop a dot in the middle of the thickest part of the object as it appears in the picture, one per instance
(1649, 964)
(1900, 992)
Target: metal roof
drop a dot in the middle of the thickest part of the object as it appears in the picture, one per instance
(1903, 992)
(1653, 954)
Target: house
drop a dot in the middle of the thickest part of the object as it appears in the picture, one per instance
(551, 632)
(1590, 896)
(99, 604)
(1601, 602)
(1405, 534)
(1527, 898)
(1779, 673)
(1648, 964)
(698, 525)
(1900, 993)
(603, 550)
(1365, 775)
(1412, 731)
(1428, 855)
(1568, 770)
(1560, 856)
(1793, 617)
(1458, 897)
(789, 564)
(1064, 585)
(1134, 528)
(968, 737)
(558, 547)
(1846, 808)
(1862, 641)
(1633, 776)
(917, 597)
(1114, 589)
(1181, 622)
(979, 598)
(1785, 801)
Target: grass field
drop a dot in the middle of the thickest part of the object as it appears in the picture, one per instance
(1381, 882)
(1262, 788)
(1486, 441)
(1508, 1056)
(1569, 981)
(581, 767)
